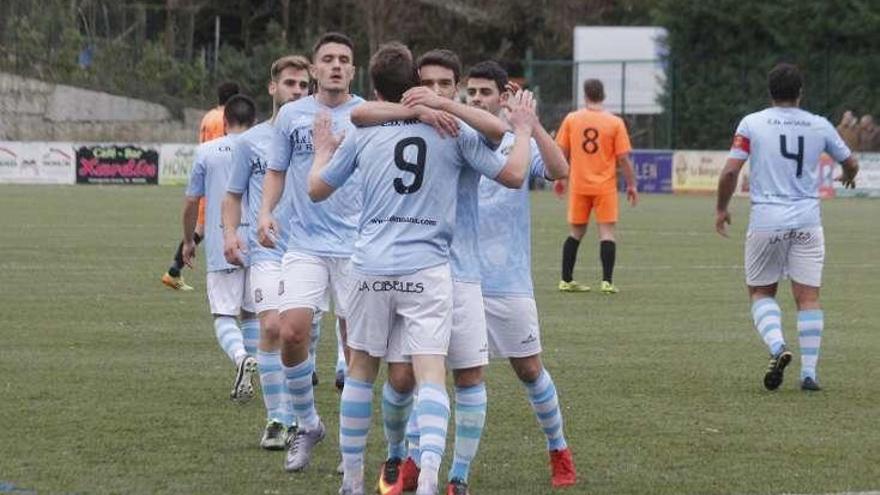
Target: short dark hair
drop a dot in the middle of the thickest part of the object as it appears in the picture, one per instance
(240, 110)
(331, 37)
(490, 69)
(594, 90)
(443, 58)
(785, 82)
(392, 72)
(226, 90)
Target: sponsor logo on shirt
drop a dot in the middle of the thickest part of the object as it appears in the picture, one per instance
(391, 286)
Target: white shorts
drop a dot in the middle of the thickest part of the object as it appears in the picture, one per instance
(265, 284)
(468, 343)
(414, 310)
(798, 254)
(229, 292)
(307, 281)
(512, 324)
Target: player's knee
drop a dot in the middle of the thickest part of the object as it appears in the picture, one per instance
(362, 366)
(469, 377)
(296, 332)
(527, 369)
(401, 378)
(270, 330)
(805, 297)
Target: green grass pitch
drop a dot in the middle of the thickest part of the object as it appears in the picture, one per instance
(111, 383)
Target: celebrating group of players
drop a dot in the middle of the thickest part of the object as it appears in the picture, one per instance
(379, 207)
(411, 213)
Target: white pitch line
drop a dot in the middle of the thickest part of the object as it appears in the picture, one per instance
(838, 493)
(733, 267)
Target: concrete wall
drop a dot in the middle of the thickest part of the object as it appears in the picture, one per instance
(33, 110)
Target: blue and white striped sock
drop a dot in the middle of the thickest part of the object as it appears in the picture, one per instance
(340, 352)
(302, 394)
(250, 332)
(433, 417)
(314, 336)
(470, 417)
(810, 324)
(229, 338)
(275, 396)
(412, 433)
(396, 409)
(545, 403)
(768, 322)
(355, 410)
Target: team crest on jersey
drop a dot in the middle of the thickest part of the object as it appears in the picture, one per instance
(281, 287)
(258, 295)
(506, 150)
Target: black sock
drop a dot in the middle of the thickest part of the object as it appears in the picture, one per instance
(174, 269)
(569, 256)
(177, 265)
(607, 252)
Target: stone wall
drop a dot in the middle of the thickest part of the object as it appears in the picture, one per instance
(33, 110)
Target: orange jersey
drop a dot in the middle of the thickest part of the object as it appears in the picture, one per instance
(593, 139)
(212, 125)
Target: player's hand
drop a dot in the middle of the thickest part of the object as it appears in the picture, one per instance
(420, 95)
(188, 253)
(267, 231)
(444, 123)
(233, 249)
(521, 111)
(722, 220)
(559, 186)
(848, 181)
(632, 195)
(323, 139)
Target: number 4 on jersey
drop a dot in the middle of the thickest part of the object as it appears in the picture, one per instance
(797, 157)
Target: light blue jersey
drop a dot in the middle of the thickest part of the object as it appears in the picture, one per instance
(505, 231)
(320, 229)
(783, 146)
(251, 157)
(209, 177)
(409, 186)
(465, 249)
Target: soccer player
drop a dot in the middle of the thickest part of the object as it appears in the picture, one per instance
(596, 144)
(783, 144)
(227, 292)
(505, 267)
(403, 283)
(212, 127)
(321, 237)
(439, 74)
(289, 81)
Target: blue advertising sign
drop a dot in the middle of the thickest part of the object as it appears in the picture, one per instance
(653, 171)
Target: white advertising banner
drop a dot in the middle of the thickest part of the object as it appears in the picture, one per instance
(867, 181)
(37, 162)
(175, 163)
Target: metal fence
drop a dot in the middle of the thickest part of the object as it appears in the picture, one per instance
(633, 89)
